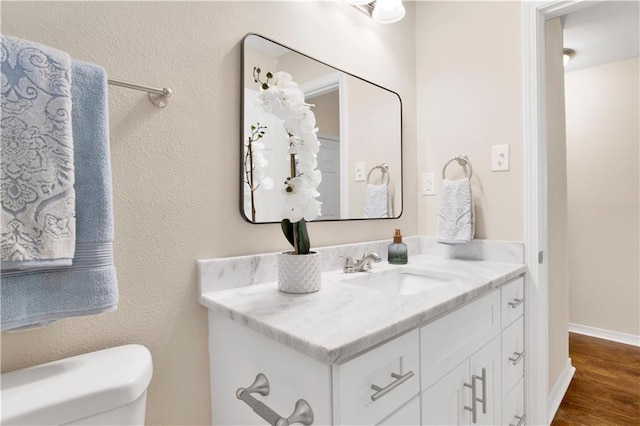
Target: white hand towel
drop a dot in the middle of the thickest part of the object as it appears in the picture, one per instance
(376, 201)
(456, 220)
(38, 197)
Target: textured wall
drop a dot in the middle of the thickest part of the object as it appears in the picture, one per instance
(603, 140)
(469, 91)
(176, 169)
(558, 260)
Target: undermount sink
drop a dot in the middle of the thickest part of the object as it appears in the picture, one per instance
(402, 282)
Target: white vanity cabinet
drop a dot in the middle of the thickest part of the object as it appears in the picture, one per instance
(338, 394)
(460, 355)
(426, 376)
(513, 353)
(458, 363)
(409, 414)
(449, 401)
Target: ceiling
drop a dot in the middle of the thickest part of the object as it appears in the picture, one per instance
(605, 32)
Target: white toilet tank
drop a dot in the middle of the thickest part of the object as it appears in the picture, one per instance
(107, 387)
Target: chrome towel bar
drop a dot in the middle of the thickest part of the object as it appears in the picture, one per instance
(302, 413)
(158, 97)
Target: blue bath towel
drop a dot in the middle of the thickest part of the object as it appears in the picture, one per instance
(89, 285)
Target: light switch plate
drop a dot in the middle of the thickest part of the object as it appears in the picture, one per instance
(500, 158)
(428, 183)
(360, 167)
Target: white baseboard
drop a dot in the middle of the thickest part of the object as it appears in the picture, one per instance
(559, 389)
(614, 336)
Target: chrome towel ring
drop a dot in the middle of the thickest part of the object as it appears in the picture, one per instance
(463, 160)
(385, 172)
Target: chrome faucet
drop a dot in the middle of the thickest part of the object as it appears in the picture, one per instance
(364, 264)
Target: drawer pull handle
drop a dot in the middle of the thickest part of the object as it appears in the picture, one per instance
(380, 392)
(474, 396)
(302, 413)
(516, 360)
(516, 303)
(520, 420)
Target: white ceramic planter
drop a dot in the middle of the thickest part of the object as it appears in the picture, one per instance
(299, 273)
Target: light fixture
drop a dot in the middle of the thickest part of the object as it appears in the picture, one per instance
(381, 11)
(567, 55)
(388, 11)
(357, 2)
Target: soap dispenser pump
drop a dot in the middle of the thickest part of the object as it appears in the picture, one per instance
(397, 252)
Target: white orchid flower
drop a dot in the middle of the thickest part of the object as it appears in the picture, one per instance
(299, 200)
(282, 97)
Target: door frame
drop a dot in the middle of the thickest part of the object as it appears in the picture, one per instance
(320, 86)
(534, 16)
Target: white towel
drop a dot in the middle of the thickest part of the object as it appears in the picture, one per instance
(38, 198)
(376, 201)
(456, 220)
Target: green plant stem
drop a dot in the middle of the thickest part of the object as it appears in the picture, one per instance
(253, 204)
(292, 159)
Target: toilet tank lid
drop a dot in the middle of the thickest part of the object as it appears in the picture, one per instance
(73, 388)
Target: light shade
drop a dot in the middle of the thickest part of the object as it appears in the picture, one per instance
(358, 2)
(388, 11)
(567, 54)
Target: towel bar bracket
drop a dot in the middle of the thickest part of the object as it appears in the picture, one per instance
(160, 101)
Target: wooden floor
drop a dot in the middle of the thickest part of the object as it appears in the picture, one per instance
(605, 389)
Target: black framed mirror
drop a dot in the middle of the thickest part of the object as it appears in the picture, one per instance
(359, 128)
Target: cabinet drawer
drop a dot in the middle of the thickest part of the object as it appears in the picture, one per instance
(513, 413)
(451, 339)
(407, 415)
(393, 368)
(512, 301)
(512, 355)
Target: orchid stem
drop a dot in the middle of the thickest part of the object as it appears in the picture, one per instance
(292, 160)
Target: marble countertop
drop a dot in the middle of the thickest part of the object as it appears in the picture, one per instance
(342, 319)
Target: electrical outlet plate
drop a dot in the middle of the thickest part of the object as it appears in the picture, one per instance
(428, 183)
(500, 158)
(360, 167)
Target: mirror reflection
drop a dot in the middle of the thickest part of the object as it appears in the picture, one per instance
(359, 129)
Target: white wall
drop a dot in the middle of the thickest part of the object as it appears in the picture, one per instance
(372, 144)
(469, 91)
(469, 97)
(558, 263)
(176, 171)
(603, 138)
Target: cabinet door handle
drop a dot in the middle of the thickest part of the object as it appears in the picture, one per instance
(520, 420)
(516, 360)
(516, 302)
(380, 392)
(483, 379)
(473, 409)
(474, 395)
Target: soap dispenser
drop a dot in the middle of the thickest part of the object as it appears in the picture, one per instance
(397, 253)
